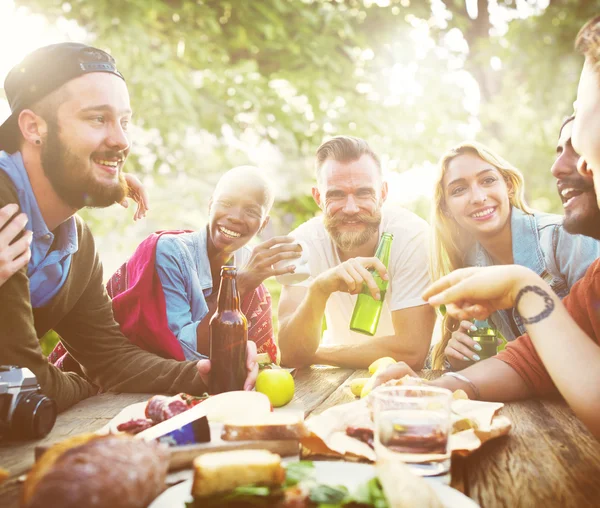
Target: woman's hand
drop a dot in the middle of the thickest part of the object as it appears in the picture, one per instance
(461, 348)
(137, 192)
(477, 292)
(14, 255)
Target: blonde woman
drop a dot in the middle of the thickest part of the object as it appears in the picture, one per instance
(480, 218)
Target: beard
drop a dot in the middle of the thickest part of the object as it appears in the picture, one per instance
(71, 177)
(587, 224)
(348, 240)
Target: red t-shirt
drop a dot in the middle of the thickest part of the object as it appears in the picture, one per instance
(583, 304)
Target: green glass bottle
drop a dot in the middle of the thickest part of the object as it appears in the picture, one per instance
(367, 310)
(487, 337)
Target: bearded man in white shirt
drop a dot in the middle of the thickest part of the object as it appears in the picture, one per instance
(341, 249)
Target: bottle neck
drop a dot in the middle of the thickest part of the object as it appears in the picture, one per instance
(383, 250)
(229, 298)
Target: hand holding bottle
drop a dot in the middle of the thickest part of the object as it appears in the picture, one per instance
(204, 367)
(461, 348)
(350, 276)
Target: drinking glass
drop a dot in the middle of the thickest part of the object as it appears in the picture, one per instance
(412, 425)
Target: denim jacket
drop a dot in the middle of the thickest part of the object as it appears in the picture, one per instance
(184, 270)
(540, 243)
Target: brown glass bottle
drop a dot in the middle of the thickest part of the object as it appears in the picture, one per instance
(228, 337)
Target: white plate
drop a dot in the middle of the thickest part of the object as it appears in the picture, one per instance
(348, 474)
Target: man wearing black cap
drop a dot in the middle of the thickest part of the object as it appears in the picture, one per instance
(63, 148)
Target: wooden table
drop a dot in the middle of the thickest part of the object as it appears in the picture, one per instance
(549, 458)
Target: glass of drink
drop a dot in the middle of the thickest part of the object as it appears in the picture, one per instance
(412, 425)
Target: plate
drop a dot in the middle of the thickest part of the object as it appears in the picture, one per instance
(348, 474)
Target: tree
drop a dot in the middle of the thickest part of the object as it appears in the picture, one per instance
(218, 83)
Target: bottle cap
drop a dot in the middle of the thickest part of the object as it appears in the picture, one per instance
(228, 270)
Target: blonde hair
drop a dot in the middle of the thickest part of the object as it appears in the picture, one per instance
(450, 244)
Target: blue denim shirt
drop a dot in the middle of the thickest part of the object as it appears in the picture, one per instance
(184, 271)
(47, 269)
(540, 243)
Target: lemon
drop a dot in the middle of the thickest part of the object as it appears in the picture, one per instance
(381, 363)
(277, 384)
(368, 387)
(356, 385)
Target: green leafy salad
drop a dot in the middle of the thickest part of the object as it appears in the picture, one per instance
(300, 489)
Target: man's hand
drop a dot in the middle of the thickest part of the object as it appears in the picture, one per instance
(203, 367)
(350, 276)
(137, 192)
(477, 292)
(13, 255)
(262, 259)
(396, 371)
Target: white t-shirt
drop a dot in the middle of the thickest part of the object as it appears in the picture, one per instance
(408, 271)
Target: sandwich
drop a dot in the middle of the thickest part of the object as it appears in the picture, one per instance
(277, 426)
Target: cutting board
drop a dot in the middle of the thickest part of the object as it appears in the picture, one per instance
(183, 456)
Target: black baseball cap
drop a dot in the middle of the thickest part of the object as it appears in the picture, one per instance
(43, 71)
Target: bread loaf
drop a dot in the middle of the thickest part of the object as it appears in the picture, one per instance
(115, 471)
(216, 473)
(272, 426)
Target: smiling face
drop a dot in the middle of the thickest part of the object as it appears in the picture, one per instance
(237, 212)
(586, 127)
(476, 195)
(350, 195)
(86, 143)
(575, 190)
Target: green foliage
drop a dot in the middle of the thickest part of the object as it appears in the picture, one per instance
(218, 83)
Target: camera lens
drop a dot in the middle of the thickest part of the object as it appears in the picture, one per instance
(34, 416)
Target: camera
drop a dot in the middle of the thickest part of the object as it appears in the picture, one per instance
(25, 412)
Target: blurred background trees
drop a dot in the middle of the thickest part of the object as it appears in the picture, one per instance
(219, 83)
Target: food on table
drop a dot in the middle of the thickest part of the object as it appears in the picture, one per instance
(215, 473)
(271, 426)
(160, 408)
(253, 478)
(364, 434)
(190, 427)
(135, 426)
(368, 387)
(381, 363)
(115, 471)
(277, 384)
(404, 489)
(357, 385)
(233, 404)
